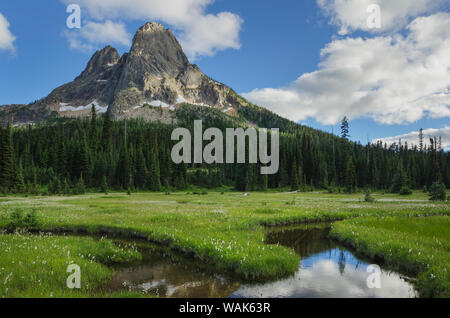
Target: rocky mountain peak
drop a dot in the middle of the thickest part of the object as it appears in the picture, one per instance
(151, 27)
(102, 59)
(156, 51)
(154, 74)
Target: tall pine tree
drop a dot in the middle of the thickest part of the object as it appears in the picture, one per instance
(7, 174)
(106, 133)
(350, 176)
(155, 180)
(93, 128)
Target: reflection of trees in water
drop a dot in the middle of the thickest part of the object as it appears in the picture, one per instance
(310, 241)
(357, 264)
(341, 262)
(164, 279)
(170, 274)
(305, 242)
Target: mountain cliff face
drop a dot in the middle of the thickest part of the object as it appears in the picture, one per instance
(155, 73)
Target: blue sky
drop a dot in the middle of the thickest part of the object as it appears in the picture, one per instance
(270, 51)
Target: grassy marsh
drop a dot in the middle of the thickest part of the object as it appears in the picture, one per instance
(35, 265)
(418, 246)
(225, 230)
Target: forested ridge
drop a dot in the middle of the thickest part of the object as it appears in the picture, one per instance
(71, 155)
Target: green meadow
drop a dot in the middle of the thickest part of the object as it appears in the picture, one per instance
(223, 229)
(36, 265)
(417, 246)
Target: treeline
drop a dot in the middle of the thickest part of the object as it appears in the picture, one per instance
(328, 161)
(68, 156)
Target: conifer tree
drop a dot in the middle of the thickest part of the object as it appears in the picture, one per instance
(2, 154)
(155, 182)
(93, 130)
(106, 133)
(242, 178)
(123, 174)
(80, 187)
(264, 182)
(344, 128)
(350, 176)
(19, 181)
(294, 177)
(35, 185)
(6, 159)
(51, 187)
(83, 162)
(61, 158)
(304, 184)
(323, 174)
(438, 192)
(421, 140)
(165, 163)
(141, 170)
(179, 181)
(104, 185)
(66, 187)
(58, 186)
(284, 177)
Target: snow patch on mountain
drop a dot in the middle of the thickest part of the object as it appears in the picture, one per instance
(64, 107)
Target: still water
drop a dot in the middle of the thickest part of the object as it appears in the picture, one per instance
(326, 270)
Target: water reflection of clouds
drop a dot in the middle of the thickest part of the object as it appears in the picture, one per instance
(334, 273)
(326, 271)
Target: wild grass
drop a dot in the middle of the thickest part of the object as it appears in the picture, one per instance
(224, 229)
(419, 246)
(36, 265)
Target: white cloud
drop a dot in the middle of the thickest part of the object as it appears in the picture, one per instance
(393, 79)
(6, 38)
(413, 137)
(210, 34)
(199, 33)
(352, 15)
(324, 279)
(93, 34)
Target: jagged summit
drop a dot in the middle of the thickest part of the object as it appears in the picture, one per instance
(158, 51)
(100, 60)
(151, 27)
(155, 72)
